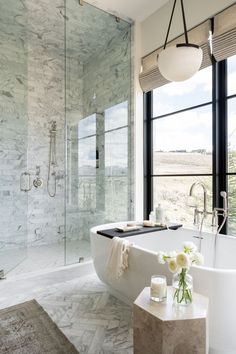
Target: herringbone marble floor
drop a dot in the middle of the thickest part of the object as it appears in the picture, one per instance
(93, 320)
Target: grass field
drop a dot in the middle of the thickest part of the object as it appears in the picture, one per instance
(173, 192)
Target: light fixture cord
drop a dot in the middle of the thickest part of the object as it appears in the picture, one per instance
(184, 22)
(171, 17)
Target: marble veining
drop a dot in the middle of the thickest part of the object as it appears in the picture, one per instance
(92, 319)
(41, 82)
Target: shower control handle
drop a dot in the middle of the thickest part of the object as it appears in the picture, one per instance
(38, 182)
(25, 182)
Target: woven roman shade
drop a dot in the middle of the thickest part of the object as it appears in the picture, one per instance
(151, 78)
(224, 36)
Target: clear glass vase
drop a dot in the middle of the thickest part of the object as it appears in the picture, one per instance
(183, 288)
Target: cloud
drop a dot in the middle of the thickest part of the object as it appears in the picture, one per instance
(179, 95)
(231, 83)
(202, 79)
(188, 131)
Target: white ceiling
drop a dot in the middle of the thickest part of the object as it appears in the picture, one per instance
(137, 10)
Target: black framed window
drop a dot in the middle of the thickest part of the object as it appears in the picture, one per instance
(231, 143)
(189, 135)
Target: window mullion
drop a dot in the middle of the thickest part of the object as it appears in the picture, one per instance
(219, 132)
(148, 153)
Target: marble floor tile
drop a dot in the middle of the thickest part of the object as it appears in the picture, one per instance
(93, 320)
(50, 256)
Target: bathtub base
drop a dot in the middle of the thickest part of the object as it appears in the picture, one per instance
(120, 296)
(218, 284)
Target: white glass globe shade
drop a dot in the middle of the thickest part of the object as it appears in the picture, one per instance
(179, 63)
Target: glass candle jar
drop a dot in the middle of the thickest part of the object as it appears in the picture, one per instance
(158, 288)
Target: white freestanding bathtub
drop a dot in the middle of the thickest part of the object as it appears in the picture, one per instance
(218, 284)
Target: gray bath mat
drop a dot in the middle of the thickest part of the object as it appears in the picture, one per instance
(27, 329)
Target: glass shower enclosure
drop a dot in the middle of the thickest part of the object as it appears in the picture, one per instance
(98, 122)
(66, 130)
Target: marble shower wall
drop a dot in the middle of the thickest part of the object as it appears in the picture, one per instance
(33, 93)
(98, 63)
(100, 192)
(46, 103)
(74, 113)
(107, 89)
(13, 130)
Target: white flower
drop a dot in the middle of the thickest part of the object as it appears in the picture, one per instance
(172, 254)
(161, 256)
(189, 247)
(198, 258)
(182, 260)
(173, 266)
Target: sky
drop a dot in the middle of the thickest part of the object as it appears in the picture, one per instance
(192, 129)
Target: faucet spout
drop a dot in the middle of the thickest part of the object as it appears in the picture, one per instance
(193, 186)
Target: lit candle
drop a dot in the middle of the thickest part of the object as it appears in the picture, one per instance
(158, 288)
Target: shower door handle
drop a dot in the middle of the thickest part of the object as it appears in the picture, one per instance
(25, 182)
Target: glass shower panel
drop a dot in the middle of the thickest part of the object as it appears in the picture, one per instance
(99, 124)
(13, 134)
(116, 175)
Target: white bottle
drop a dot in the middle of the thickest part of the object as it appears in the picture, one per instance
(159, 214)
(152, 216)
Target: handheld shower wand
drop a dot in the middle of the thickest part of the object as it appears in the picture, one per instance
(51, 181)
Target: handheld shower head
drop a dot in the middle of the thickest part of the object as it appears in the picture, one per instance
(223, 194)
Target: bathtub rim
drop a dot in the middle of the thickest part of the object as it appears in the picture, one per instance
(94, 230)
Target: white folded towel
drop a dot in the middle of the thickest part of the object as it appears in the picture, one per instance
(118, 258)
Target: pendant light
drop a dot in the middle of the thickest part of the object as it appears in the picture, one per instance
(180, 61)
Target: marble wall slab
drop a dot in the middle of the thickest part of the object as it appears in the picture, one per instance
(96, 195)
(13, 128)
(40, 83)
(46, 103)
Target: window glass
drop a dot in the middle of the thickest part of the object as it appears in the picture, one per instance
(232, 205)
(116, 198)
(182, 143)
(116, 167)
(87, 126)
(116, 152)
(175, 96)
(173, 194)
(231, 64)
(232, 135)
(87, 193)
(116, 116)
(87, 156)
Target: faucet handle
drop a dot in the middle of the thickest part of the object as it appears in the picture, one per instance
(214, 218)
(196, 217)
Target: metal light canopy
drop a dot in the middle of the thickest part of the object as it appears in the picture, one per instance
(181, 61)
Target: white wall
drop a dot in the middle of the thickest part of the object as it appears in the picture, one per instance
(138, 125)
(154, 28)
